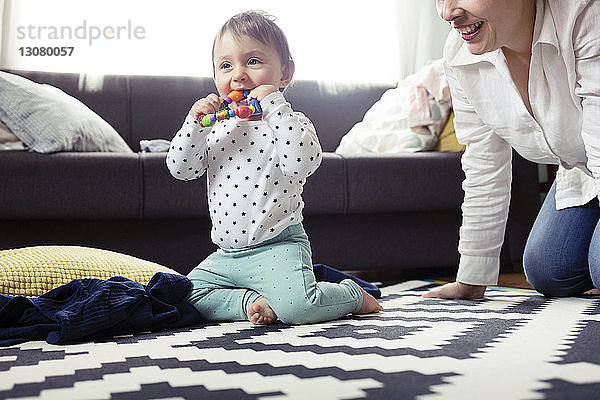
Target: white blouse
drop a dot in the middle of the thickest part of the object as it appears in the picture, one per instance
(491, 118)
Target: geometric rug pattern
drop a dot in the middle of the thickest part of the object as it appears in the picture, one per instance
(515, 344)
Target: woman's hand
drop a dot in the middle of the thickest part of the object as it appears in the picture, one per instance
(457, 290)
(208, 105)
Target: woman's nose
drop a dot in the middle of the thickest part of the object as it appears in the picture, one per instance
(447, 9)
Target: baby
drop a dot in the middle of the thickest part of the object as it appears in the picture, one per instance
(256, 169)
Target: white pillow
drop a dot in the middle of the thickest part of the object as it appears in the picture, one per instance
(6, 136)
(407, 118)
(48, 120)
(8, 141)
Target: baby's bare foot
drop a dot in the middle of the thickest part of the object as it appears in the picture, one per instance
(261, 313)
(369, 304)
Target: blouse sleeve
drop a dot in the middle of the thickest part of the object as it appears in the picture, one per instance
(186, 159)
(487, 163)
(586, 45)
(294, 135)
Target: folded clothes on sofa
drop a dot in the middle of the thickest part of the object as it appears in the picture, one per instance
(154, 145)
(407, 118)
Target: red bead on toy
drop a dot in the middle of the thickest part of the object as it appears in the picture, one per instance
(243, 112)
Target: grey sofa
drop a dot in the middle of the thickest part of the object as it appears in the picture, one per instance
(386, 216)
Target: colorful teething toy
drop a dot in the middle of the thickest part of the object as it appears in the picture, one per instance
(224, 113)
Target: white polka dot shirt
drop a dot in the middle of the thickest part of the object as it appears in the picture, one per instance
(255, 170)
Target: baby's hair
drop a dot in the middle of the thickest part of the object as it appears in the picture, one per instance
(260, 26)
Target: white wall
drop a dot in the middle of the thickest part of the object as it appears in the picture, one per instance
(422, 33)
(336, 40)
(2, 26)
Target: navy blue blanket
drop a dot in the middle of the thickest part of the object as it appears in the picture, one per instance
(328, 274)
(85, 309)
(90, 308)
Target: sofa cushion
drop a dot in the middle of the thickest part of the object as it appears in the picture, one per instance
(447, 140)
(325, 190)
(152, 117)
(69, 185)
(159, 105)
(167, 197)
(48, 120)
(405, 182)
(333, 108)
(33, 271)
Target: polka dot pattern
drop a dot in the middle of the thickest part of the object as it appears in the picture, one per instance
(255, 170)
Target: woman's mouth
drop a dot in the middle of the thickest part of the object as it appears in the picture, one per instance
(469, 32)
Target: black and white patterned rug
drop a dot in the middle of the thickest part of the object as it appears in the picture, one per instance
(516, 344)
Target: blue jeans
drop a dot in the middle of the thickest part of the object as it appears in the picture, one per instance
(562, 254)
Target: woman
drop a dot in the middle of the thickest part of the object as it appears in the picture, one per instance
(525, 75)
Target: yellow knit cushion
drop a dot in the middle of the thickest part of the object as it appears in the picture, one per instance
(447, 139)
(33, 271)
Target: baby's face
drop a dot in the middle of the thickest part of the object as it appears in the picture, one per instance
(245, 63)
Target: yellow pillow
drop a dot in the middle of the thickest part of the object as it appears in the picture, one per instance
(447, 139)
(33, 271)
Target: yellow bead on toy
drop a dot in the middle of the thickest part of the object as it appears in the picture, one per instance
(221, 115)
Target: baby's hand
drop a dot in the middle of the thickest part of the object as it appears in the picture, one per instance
(260, 92)
(208, 105)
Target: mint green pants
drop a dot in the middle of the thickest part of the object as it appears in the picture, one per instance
(227, 282)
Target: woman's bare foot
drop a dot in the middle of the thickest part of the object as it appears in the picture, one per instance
(261, 313)
(369, 304)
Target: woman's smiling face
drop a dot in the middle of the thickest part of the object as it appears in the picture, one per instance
(487, 25)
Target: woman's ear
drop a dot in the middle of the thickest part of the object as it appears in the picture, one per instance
(287, 73)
